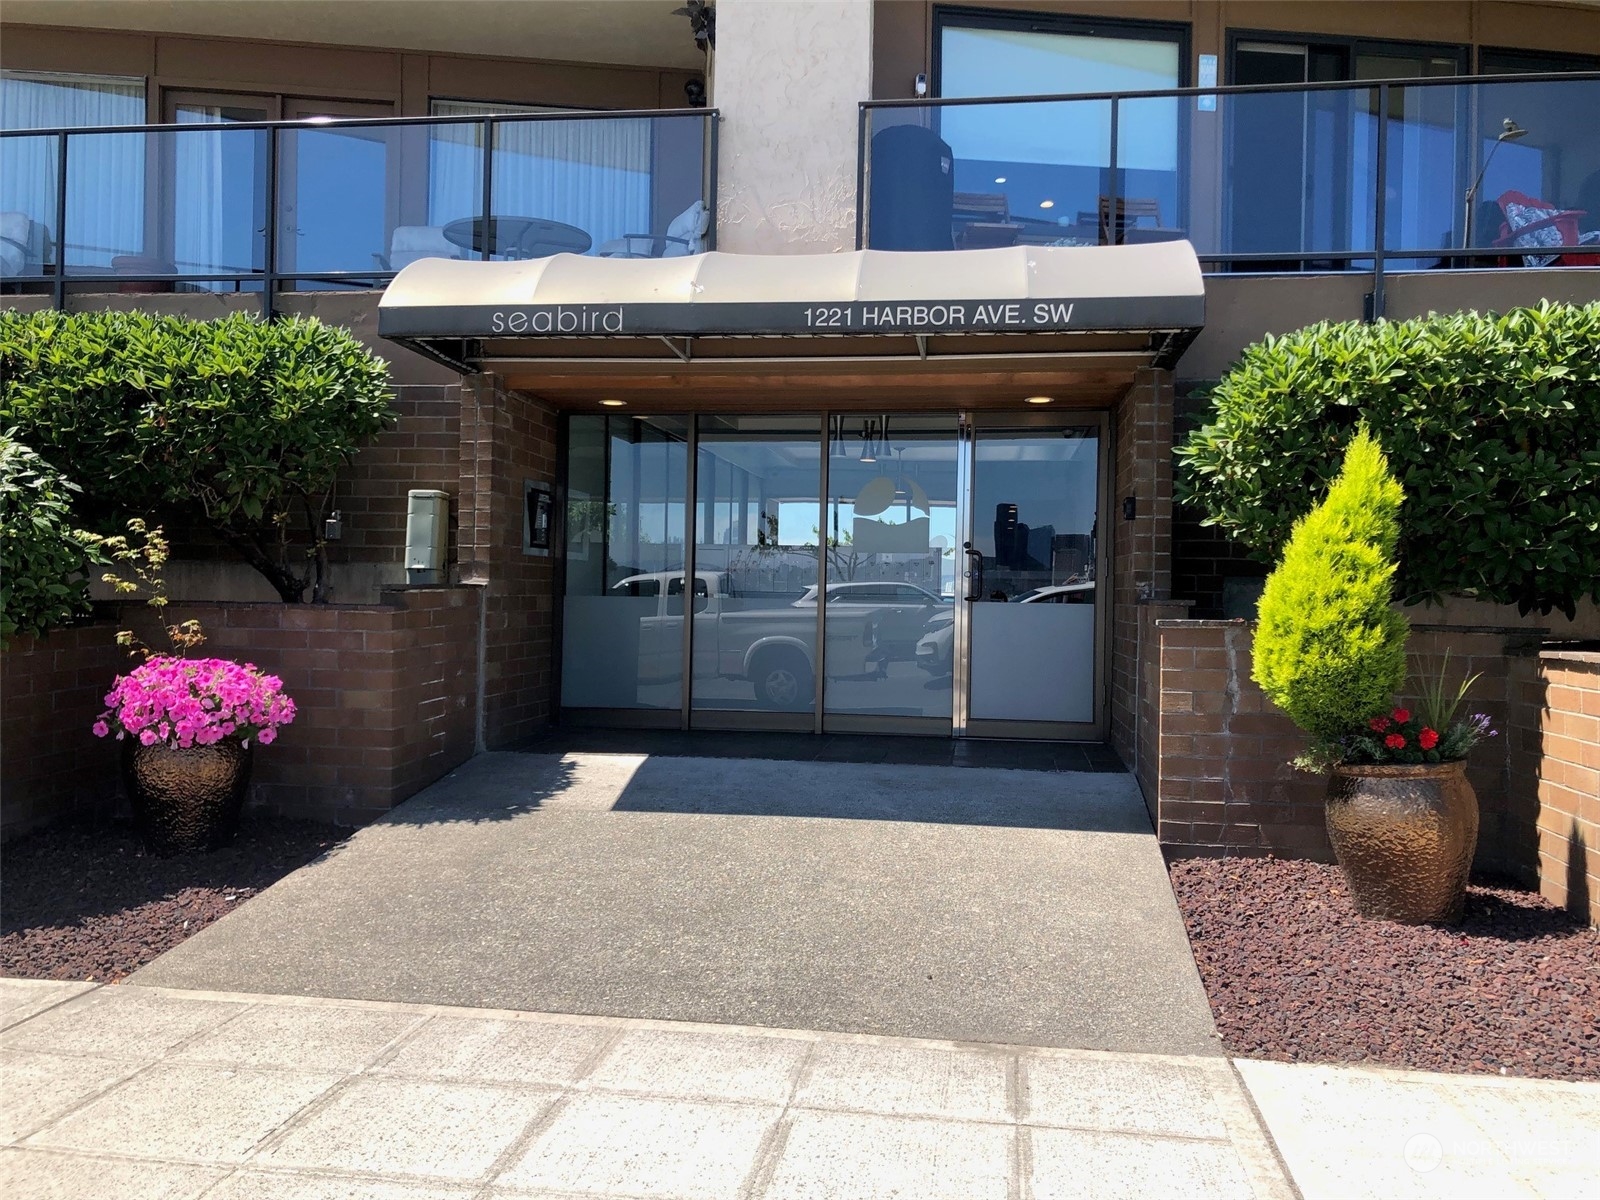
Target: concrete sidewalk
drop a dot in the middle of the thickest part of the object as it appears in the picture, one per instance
(136, 1092)
(919, 901)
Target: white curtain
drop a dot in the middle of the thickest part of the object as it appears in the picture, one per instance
(105, 172)
(590, 173)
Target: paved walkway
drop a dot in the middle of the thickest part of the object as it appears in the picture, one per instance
(133, 1093)
(138, 1093)
(977, 904)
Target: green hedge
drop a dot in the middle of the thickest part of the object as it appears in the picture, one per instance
(1492, 424)
(44, 558)
(236, 424)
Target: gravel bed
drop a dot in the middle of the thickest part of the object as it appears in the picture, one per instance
(87, 902)
(1295, 974)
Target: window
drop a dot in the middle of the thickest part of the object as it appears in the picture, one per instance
(101, 168)
(590, 174)
(1049, 164)
(38, 100)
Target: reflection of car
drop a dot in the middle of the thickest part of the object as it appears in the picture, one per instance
(762, 640)
(901, 612)
(936, 649)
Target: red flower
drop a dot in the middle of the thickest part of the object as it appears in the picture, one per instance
(1378, 724)
(1428, 738)
(1395, 742)
(1401, 715)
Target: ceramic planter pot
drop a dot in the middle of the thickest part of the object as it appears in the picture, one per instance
(1404, 837)
(187, 800)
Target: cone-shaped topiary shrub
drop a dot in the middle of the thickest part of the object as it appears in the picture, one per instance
(1330, 649)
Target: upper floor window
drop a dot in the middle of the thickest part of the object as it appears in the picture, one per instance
(39, 100)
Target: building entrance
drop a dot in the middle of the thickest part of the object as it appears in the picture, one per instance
(912, 573)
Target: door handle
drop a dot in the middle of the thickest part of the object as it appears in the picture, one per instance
(974, 578)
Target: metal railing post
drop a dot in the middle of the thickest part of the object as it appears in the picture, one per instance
(1113, 225)
(1380, 206)
(488, 189)
(58, 288)
(863, 230)
(713, 131)
(269, 280)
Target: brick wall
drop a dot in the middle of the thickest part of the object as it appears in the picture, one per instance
(423, 450)
(386, 696)
(1141, 557)
(51, 690)
(508, 438)
(1224, 784)
(1564, 720)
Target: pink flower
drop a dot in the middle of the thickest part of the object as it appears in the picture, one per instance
(267, 735)
(187, 702)
(101, 729)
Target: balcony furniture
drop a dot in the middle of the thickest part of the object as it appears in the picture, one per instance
(1531, 223)
(517, 237)
(410, 242)
(985, 235)
(911, 196)
(686, 234)
(140, 268)
(1129, 210)
(24, 245)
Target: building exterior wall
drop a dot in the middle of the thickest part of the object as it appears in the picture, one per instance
(904, 43)
(385, 696)
(1225, 785)
(789, 76)
(1561, 722)
(508, 439)
(407, 80)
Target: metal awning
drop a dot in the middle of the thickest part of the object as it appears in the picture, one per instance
(1027, 300)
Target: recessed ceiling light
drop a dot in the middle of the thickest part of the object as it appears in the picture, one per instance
(1000, 179)
(1047, 204)
(614, 403)
(1040, 400)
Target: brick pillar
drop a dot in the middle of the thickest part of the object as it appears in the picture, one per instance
(508, 438)
(1141, 563)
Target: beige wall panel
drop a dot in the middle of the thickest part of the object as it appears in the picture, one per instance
(561, 85)
(26, 48)
(277, 66)
(790, 77)
(1241, 308)
(1564, 28)
(1417, 21)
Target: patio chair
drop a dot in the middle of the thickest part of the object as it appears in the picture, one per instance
(410, 242)
(686, 234)
(24, 244)
(1531, 223)
(1130, 210)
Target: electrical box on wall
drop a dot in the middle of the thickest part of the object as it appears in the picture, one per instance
(427, 535)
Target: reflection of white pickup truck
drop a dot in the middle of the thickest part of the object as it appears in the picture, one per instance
(764, 640)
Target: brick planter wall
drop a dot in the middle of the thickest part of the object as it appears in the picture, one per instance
(1223, 780)
(1564, 721)
(386, 696)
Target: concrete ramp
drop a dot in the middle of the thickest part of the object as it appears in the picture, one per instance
(971, 904)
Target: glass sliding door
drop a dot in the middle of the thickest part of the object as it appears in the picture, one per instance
(622, 638)
(890, 542)
(1031, 604)
(758, 510)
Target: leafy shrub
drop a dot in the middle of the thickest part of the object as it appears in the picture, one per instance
(1330, 648)
(237, 424)
(1491, 422)
(43, 557)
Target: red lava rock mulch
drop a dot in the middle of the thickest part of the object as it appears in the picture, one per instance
(87, 902)
(1294, 974)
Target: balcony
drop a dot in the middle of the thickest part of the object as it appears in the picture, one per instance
(1481, 172)
(344, 204)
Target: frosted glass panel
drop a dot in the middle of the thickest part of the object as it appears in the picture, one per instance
(622, 617)
(1035, 526)
(1033, 662)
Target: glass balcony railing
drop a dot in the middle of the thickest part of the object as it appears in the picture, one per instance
(1396, 175)
(345, 204)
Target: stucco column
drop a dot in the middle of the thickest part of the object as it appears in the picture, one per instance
(788, 77)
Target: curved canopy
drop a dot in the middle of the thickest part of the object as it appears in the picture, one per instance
(911, 296)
